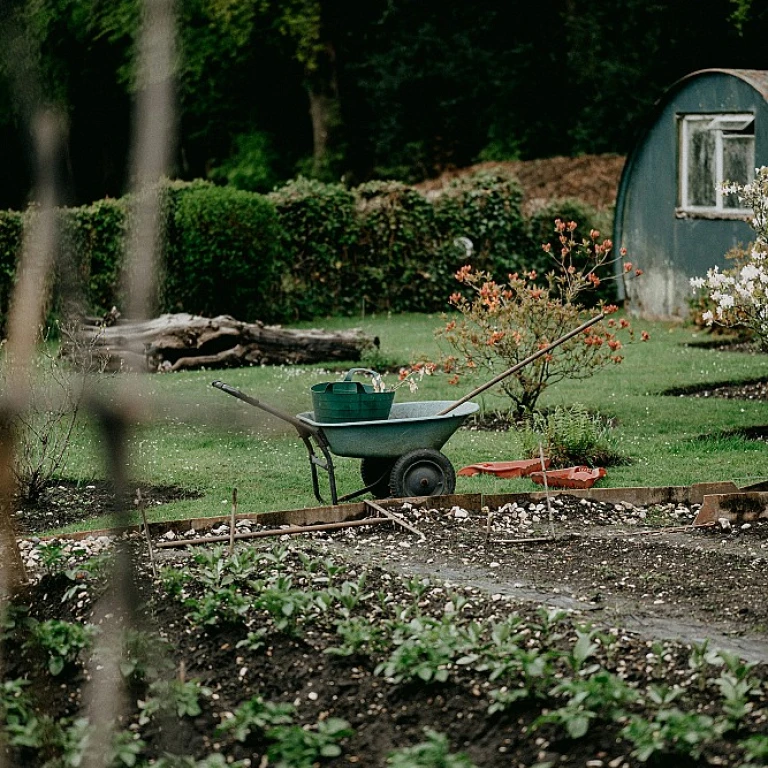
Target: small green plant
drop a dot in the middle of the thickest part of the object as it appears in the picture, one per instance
(297, 747)
(581, 651)
(424, 650)
(285, 604)
(180, 698)
(52, 555)
(85, 575)
(254, 640)
(432, 753)
(358, 635)
(756, 749)
(16, 708)
(226, 605)
(570, 435)
(736, 685)
(127, 748)
(255, 716)
(61, 641)
(671, 731)
(601, 695)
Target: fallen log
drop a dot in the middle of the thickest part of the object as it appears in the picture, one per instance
(181, 341)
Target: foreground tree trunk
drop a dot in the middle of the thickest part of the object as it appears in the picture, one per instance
(183, 341)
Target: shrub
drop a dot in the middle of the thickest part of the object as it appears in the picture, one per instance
(221, 252)
(393, 259)
(486, 208)
(93, 243)
(588, 219)
(740, 294)
(252, 165)
(502, 324)
(11, 234)
(318, 228)
(570, 436)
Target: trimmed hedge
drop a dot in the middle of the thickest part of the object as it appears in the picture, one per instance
(306, 250)
(319, 228)
(221, 253)
(93, 242)
(487, 208)
(11, 234)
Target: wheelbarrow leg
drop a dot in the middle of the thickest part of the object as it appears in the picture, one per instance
(326, 464)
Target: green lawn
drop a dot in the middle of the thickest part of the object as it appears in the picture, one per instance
(200, 438)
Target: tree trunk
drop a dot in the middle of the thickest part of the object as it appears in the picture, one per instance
(323, 92)
(183, 341)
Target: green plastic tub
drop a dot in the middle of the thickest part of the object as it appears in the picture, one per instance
(344, 401)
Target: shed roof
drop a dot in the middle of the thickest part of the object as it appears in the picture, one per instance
(757, 78)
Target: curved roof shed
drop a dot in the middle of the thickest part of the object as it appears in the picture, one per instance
(671, 215)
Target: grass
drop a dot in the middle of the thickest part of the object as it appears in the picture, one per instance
(199, 438)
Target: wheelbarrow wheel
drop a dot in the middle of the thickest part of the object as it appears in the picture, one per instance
(376, 472)
(423, 472)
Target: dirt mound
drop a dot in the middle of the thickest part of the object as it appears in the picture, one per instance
(591, 178)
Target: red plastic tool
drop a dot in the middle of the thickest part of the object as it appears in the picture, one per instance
(503, 469)
(571, 477)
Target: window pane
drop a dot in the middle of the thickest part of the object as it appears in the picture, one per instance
(701, 164)
(738, 164)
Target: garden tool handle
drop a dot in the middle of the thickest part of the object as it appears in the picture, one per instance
(303, 429)
(522, 363)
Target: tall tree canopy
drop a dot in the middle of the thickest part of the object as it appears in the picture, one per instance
(347, 90)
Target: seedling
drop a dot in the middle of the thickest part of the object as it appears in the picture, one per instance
(432, 753)
(254, 716)
(62, 641)
(297, 747)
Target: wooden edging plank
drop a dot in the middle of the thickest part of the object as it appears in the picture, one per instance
(741, 507)
(639, 496)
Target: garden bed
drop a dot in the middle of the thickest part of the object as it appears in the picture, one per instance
(533, 637)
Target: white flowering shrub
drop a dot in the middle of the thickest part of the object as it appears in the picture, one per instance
(739, 294)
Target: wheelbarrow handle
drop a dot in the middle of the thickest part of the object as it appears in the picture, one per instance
(304, 430)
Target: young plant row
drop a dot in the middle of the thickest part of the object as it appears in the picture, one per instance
(406, 633)
(561, 669)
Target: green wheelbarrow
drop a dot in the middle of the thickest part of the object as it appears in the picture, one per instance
(400, 456)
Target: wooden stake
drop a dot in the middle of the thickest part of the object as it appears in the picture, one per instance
(139, 502)
(232, 522)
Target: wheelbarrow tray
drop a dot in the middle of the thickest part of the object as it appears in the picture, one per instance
(410, 426)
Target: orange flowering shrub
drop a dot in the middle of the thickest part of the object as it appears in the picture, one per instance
(500, 324)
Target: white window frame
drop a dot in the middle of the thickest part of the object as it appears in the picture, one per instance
(718, 123)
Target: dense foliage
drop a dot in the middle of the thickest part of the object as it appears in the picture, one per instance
(220, 252)
(396, 89)
(306, 250)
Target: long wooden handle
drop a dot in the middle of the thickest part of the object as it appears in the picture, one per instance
(522, 363)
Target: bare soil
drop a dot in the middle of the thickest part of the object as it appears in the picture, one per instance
(639, 577)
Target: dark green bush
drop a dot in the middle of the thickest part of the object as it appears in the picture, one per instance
(221, 253)
(486, 208)
(587, 219)
(318, 228)
(306, 250)
(11, 234)
(93, 242)
(394, 258)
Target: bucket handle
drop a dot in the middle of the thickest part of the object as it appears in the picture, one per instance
(378, 382)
